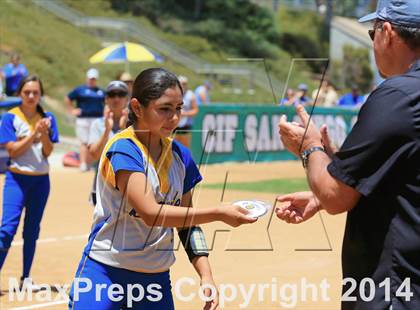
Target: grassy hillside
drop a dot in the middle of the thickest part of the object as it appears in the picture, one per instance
(58, 52)
(175, 30)
(194, 44)
(54, 50)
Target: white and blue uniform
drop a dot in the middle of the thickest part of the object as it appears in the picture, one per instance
(96, 131)
(121, 244)
(198, 91)
(26, 185)
(186, 121)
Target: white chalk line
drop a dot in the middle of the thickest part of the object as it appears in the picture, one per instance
(52, 240)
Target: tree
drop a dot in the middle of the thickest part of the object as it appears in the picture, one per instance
(353, 69)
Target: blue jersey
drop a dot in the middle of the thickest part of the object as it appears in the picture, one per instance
(89, 100)
(120, 238)
(13, 76)
(350, 100)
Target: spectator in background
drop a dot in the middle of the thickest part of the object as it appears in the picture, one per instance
(289, 99)
(189, 110)
(202, 93)
(301, 95)
(1, 86)
(352, 99)
(327, 96)
(128, 80)
(114, 120)
(89, 106)
(13, 73)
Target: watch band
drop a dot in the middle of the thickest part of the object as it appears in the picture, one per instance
(305, 154)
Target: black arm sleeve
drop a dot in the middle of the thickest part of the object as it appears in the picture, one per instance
(194, 242)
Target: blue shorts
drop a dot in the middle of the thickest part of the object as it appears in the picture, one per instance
(116, 288)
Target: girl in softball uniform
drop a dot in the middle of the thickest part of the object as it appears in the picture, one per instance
(28, 134)
(144, 190)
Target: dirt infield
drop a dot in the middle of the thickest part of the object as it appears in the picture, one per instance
(269, 260)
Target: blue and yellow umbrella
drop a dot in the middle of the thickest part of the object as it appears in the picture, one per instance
(124, 53)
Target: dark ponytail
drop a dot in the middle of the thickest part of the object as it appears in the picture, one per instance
(33, 78)
(150, 85)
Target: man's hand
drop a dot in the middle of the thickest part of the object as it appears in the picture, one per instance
(299, 207)
(109, 121)
(329, 146)
(123, 119)
(293, 136)
(76, 111)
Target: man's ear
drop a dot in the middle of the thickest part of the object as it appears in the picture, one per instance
(389, 34)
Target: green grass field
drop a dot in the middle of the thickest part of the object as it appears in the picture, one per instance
(276, 186)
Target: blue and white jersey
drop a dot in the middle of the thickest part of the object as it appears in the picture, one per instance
(15, 126)
(119, 236)
(186, 107)
(89, 100)
(97, 129)
(197, 92)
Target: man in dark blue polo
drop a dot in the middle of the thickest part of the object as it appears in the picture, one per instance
(375, 176)
(89, 100)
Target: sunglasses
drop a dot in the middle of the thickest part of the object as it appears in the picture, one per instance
(33, 92)
(117, 94)
(372, 31)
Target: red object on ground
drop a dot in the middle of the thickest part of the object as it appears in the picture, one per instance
(71, 159)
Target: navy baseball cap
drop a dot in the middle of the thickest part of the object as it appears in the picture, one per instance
(398, 12)
(117, 86)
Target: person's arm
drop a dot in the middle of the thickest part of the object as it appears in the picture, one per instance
(47, 145)
(153, 214)
(95, 149)
(202, 267)
(290, 101)
(203, 97)
(17, 148)
(194, 245)
(98, 139)
(334, 195)
(70, 108)
(69, 104)
(1, 85)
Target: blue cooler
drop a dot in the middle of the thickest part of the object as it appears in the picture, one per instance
(5, 105)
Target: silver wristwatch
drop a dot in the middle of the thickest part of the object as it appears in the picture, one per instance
(305, 154)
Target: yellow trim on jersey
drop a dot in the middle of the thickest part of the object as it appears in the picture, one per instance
(162, 166)
(31, 122)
